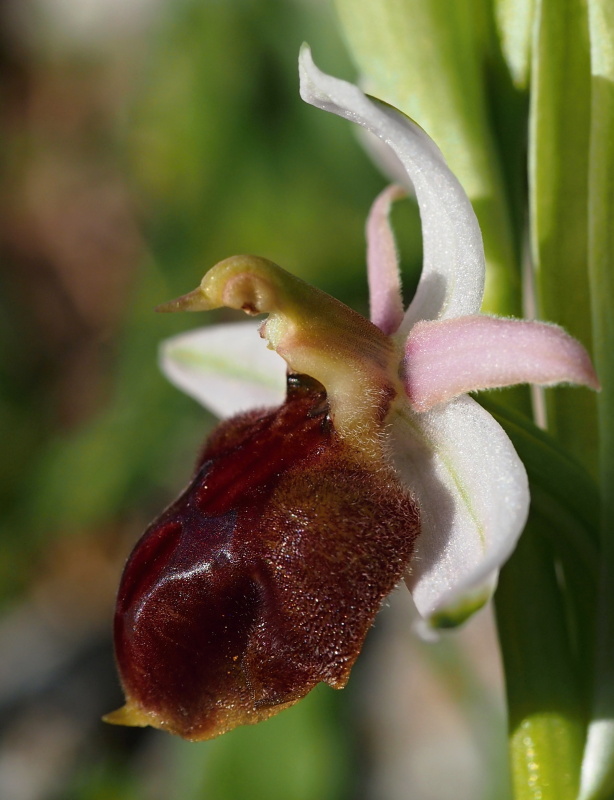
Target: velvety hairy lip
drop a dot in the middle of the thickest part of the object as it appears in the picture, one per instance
(264, 577)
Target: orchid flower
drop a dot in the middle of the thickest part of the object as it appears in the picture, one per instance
(376, 466)
(459, 463)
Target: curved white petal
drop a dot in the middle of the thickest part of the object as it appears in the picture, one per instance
(386, 300)
(452, 281)
(227, 368)
(384, 159)
(474, 498)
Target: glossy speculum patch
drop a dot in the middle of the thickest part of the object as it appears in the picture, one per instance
(265, 575)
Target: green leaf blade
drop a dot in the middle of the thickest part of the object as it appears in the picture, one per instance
(598, 764)
(558, 192)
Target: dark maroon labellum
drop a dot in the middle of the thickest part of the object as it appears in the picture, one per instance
(264, 577)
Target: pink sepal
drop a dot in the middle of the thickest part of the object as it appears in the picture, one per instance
(382, 264)
(444, 359)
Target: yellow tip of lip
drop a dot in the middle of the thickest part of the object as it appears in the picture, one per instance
(128, 715)
(192, 301)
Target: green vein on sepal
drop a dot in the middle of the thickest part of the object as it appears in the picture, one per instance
(206, 363)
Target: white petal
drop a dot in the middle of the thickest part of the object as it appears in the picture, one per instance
(474, 498)
(227, 368)
(384, 159)
(452, 282)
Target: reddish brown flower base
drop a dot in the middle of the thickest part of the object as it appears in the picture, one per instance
(264, 577)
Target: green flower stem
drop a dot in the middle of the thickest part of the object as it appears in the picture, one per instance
(545, 719)
(598, 767)
(558, 197)
(546, 634)
(546, 631)
(427, 59)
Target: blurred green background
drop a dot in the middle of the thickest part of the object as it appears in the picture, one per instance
(142, 143)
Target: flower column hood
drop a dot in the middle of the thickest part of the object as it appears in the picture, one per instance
(393, 393)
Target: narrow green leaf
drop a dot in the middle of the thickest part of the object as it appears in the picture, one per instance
(558, 176)
(566, 498)
(562, 491)
(515, 23)
(598, 765)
